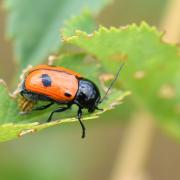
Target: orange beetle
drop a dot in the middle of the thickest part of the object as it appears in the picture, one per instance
(62, 86)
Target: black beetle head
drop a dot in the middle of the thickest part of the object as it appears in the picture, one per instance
(88, 95)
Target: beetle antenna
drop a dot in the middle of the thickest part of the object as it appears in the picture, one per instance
(112, 83)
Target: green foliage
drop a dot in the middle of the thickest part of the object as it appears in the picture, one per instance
(32, 45)
(7, 105)
(34, 25)
(152, 67)
(14, 125)
(84, 22)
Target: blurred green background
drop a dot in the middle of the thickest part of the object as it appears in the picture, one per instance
(58, 153)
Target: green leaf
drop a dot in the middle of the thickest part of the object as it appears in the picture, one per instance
(7, 105)
(84, 22)
(151, 71)
(13, 124)
(34, 25)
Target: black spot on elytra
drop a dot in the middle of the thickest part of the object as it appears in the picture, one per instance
(67, 94)
(46, 80)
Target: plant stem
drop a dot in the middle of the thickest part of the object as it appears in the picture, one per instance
(135, 147)
(134, 150)
(171, 22)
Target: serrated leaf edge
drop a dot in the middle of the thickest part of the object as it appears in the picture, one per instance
(102, 29)
(143, 26)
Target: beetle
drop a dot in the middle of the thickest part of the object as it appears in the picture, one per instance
(65, 87)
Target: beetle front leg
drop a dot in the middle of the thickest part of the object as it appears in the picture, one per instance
(79, 115)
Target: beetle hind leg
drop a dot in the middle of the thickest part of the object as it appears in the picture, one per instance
(100, 109)
(43, 107)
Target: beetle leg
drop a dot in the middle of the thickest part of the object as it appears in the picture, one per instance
(99, 109)
(43, 107)
(79, 115)
(57, 110)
